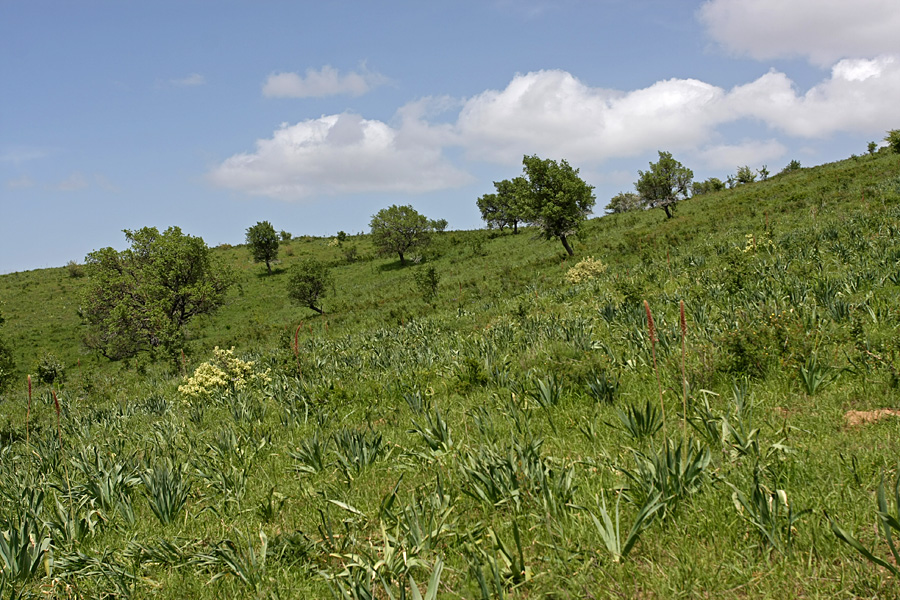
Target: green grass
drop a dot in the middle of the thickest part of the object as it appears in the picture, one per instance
(470, 441)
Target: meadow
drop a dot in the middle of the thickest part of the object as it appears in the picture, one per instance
(524, 433)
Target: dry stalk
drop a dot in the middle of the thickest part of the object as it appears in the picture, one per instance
(651, 326)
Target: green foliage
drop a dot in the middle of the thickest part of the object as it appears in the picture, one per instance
(263, 243)
(50, 370)
(142, 298)
(792, 166)
(400, 229)
(665, 184)
(7, 363)
(745, 175)
(308, 282)
(624, 202)
(556, 199)
(285, 235)
(74, 269)
(872, 147)
(426, 280)
(893, 140)
(711, 185)
(506, 207)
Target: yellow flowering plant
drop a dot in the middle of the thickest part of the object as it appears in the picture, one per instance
(223, 373)
(585, 269)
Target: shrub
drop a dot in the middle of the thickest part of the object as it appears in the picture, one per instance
(74, 269)
(224, 372)
(893, 140)
(426, 280)
(585, 270)
(50, 370)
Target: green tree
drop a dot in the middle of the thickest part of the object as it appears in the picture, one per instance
(504, 208)
(792, 166)
(555, 199)
(872, 147)
(263, 242)
(7, 364)
(142, 298)
(439, 225)
(665, 184)
(308, 282)
(745, 175)
(400, 229)
(713, 184)
(893, 139)
(623, 202)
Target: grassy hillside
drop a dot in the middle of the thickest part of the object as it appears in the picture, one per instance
(481, 439)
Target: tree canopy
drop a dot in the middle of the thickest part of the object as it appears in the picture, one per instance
(308, 282)
(263, 242)
(400, 229)
(555, 198)
(665, 184)
(624, 202)
(142, 298)
(505, 208)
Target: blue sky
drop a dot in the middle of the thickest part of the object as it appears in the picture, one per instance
(213, 115)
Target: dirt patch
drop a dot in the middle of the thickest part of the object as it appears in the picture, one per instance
(854, 418)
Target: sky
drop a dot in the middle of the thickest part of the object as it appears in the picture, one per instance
(215, 115)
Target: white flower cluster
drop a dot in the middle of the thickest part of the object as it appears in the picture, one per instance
(224, 372)
(584, 270)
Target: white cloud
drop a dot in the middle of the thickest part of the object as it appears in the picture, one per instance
(20, 183)
(823, 31)
(860, 96)
(750, 152)
(75, 181)
(318, 84)
(553, 113)
(194, 79)
(342, 154)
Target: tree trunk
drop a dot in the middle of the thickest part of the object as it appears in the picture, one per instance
(566, 245)
(515, 227)
(269, 267)
(402, 261)
(317, 309)
(665, 207)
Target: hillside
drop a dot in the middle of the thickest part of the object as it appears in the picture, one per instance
(485, 436)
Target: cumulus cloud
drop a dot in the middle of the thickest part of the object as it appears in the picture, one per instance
(554, 113)
(342, 154)
(823, 31)
(860, 96)
(317, 84)
(749, 152)
(194, 79)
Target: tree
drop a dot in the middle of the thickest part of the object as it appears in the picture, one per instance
(308, 281)
(792, 166)
(872, 147)
(263, 242)
(439, 225)
(665, 184)
(555, 198)
(505, 207)
(400, 229)
(7, 364)
(713, 184)
(893, 139)
(745, 175)
(142, 298)
(623, 202)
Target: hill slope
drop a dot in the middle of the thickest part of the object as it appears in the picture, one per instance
(487, 431)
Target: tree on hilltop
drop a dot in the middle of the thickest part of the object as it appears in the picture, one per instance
(505, 208)
(263, 242)
(555, 198)
(400, 229)
(665, 184)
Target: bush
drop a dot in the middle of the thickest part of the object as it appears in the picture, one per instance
(223, 373)
(50, 370)
(426, 280)
(74, 269)
(585, 270)
(308, 282)
(893, 140)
